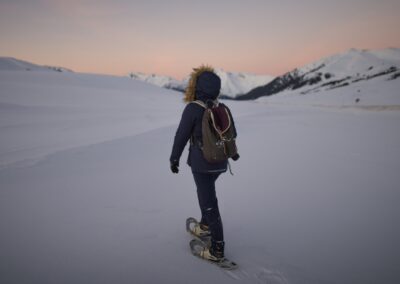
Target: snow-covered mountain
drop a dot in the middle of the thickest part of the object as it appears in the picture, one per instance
(340, 70)
(13, 64)
(158, 80)
(233, 84)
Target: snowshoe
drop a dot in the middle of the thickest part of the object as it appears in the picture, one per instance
(202, 251)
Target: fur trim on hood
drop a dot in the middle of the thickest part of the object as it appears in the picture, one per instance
(190, 92)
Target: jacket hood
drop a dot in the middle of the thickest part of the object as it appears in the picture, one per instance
(203, 84)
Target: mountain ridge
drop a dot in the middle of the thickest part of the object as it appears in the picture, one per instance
(233, 84)
(335, 71)
(328, 73)
(14, 64)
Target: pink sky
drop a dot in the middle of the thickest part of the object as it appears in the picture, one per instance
(171, 37)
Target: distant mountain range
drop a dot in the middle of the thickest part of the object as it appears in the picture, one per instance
(333, 72)
(336, 71)
(233, 84)
(13, 64)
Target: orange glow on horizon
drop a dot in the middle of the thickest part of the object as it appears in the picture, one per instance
(120, 37)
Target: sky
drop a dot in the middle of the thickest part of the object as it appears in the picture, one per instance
(170, 37)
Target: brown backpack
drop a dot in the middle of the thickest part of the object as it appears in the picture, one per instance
(218, 133)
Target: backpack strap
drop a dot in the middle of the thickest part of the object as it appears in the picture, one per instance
(216, 103)
(202, 104)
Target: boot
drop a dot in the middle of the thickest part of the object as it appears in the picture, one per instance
(217, 248)
(215, 252)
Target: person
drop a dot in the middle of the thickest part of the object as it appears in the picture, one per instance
(204, 85)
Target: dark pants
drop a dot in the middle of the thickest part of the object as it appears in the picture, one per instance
(208, 202)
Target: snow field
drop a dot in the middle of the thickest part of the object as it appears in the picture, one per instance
(314, 197)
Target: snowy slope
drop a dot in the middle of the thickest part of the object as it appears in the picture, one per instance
(232, 83)
(45, 112)
(158, 80)
(13, 64)
(354, 63)
(353, 67)
(376, 93)
(314, 198)
(238, 83)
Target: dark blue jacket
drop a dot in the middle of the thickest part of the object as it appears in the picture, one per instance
(190, 125)
(207, 88)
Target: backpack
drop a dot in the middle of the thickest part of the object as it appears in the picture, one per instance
(218, 133)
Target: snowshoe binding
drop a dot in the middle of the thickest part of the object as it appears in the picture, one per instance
(202, 251)
(198, 230)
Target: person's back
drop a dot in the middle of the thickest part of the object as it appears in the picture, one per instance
(204, 85)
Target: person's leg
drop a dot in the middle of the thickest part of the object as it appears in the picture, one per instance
(208, 202)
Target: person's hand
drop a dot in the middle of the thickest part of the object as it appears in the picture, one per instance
(236, 157)
(175, 167)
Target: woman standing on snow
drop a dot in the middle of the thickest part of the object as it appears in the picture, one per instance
(204, 85)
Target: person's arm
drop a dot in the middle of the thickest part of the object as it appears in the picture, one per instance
(182, 136)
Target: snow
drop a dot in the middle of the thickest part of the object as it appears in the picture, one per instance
(358, 69)
(351, 66)
(13, 64)
(72, 110)
(158, 80)
(87, 195)
(354, 61)
(233, 84)
(237, 83)
(376, 92)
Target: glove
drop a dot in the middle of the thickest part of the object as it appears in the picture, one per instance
(175, 166)
(235, 157)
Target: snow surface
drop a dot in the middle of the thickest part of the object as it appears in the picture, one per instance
(42, 113)
(86, 194)
(13, 64)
